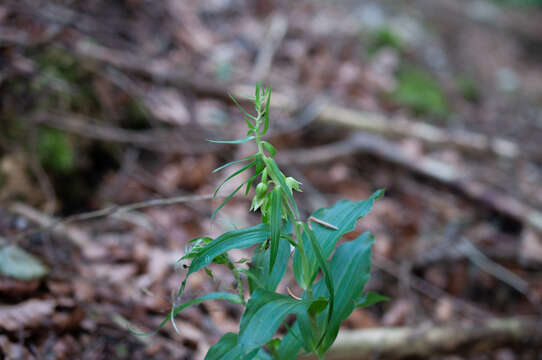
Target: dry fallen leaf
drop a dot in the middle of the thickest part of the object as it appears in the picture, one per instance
(30, 313)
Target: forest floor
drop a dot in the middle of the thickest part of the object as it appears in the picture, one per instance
(106, 104)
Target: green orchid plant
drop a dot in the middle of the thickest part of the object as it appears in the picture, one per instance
(311, 245)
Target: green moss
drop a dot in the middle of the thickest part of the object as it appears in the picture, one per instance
(467, 86)
(419, 91)
(55, 150)
(384, 37)
(68, 85)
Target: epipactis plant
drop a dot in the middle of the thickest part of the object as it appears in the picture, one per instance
(326, 301)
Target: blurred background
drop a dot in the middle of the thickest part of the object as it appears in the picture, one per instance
(109, 103)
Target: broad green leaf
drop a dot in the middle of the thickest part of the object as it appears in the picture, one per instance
(343, 215)
(248, 166)
(239, 141)
(236, 239)
(260, 270)
(234, 298)
(227, 342)
(350, 268)
(228, 348)
(371, 298)
(19, 264)
(264, 313)
(275, 223)
(263, 355)
(290, 345)
(233, 162)
(318, 306)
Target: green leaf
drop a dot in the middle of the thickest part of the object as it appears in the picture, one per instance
(318, 306)
(236, 239)
(275, 223)
(233, 162)
(344, 215)
(19, 264)
(264, 313)
(242, 108)
(262, 275)
(246, 167)
(240, 141)
(290, 345)
(250, 181)
(371, 298)
(270, 148)
(226, 200)
(324, 265)
(234, 298)
(350, 268)
(266, 113)
(226, 343)
(279, 178)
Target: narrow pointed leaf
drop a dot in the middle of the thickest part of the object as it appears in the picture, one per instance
(233, 298)
(275, 224)
(248, 166)
(277, 176)
(266, 113)
(324, 265)
(241, 108)
(371, 298)
(236, 239)
(239, 141)
(233, 162)
(250, 181)
(226, 201)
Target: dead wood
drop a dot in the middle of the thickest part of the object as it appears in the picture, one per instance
(426, 341)
(161, 140)
(429, 134)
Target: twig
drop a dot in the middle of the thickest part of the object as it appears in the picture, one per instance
(49, 223)
(270, 44)
(436, 170)
(486, 264)
(429, 289)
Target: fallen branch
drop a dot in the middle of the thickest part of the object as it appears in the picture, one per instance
(422, 165)
(161, 140)
(424, 342)
(429, 134)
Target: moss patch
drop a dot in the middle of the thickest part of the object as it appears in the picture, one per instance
(419, 91)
